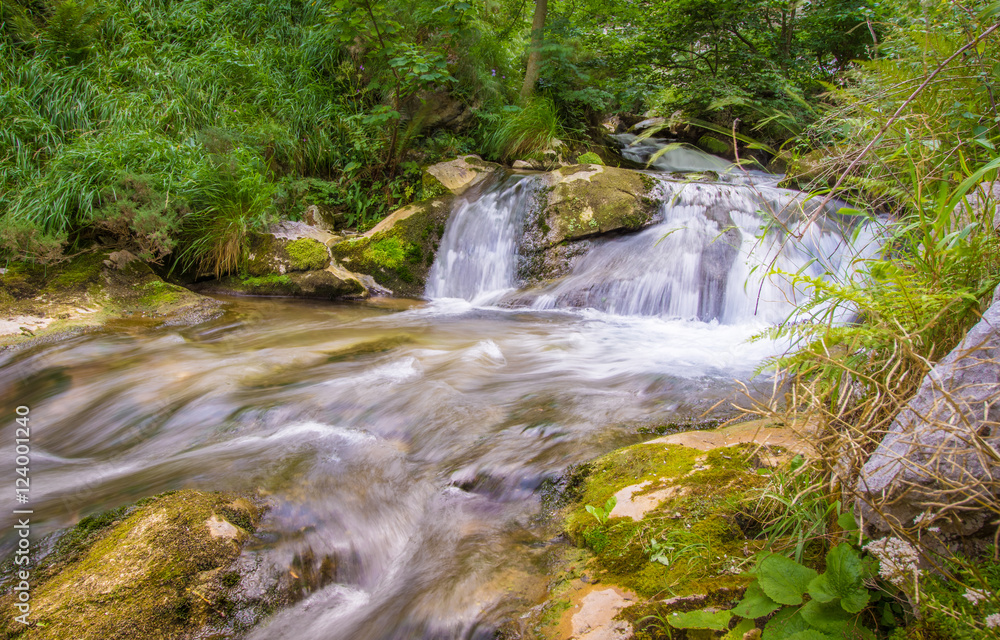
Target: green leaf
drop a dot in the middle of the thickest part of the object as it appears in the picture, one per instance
(701, 619)
(755, 603)
(843, 578)
(737, 632)
(846, 520)
(828, 617)
(787, 622)
(784, 580)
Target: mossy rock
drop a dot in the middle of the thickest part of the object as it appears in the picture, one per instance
(399, 251)
(269, 254)
(89, 290)
(458, 176)
(714, 145)
(590, 158)
(578, 203)
(151, 571)
(586, 200)
(682, 498)
(331, 283)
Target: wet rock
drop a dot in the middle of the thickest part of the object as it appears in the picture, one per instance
(459, 175)
(399, 251)
(655, 121)
(88, 291)
(938, 461)
(158, 569)
(585, 200)
(331, 283)
(580, 202)
(596, 618)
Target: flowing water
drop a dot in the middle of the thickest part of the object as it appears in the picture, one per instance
(408, 440)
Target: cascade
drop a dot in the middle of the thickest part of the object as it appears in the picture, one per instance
(709, 256)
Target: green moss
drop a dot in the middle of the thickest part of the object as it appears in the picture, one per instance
(307, 254)
(696, 524)
(590, 158)
(266, 281)
(78, 273)
(389, 252)
(647, 182)
(158, 294)
(714, 145)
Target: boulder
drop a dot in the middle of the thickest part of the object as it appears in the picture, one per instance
(459, 175)
(399, 251)
(287, 246)
(577, 203)
(162, 568)
(332, 283)
(939, 462)
(89, 290)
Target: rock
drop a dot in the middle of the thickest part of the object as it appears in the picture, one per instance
(939, 456)
(331, 283)
(649, 122)
(154, 570)
(440, 109)
(522, 165)
(793, 439)
(399, 251)
(595, 620)
(984, 197)
(459, 175)
(630, 505)
(577, 203)
(91, 289)
(287, 246)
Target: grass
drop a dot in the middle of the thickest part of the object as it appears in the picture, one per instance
(526, 131)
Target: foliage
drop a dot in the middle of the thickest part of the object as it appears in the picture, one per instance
(602, 514)
(798, 602)
(100, 94)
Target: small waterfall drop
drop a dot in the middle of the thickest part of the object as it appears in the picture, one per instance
(477, 259)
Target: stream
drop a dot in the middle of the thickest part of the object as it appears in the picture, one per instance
(408, 439)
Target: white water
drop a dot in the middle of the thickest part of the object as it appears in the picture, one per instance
(712, 256)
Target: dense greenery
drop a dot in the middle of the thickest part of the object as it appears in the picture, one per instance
(175, 128)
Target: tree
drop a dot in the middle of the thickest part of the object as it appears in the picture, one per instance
(534, 67)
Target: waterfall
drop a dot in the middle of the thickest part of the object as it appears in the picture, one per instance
(477, 259)
(712, 255)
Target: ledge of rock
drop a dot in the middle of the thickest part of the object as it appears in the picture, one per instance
(398, 253)
(91, 289)
(939, 459)
(333, 282)
(288, 246)
(162, 568)
(459, 175)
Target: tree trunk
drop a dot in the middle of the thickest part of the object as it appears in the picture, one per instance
(535, 51)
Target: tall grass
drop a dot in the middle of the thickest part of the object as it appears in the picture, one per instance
(526, 131)
(97, 91)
